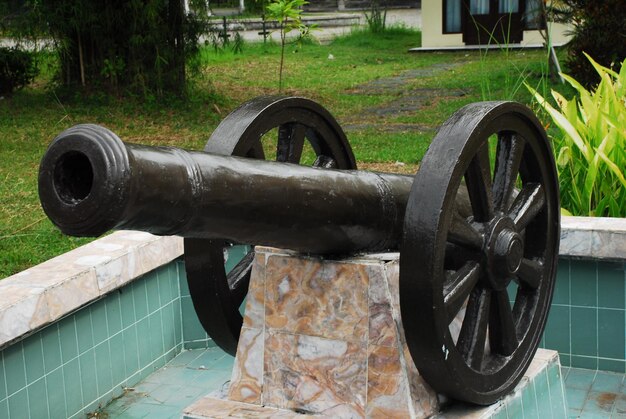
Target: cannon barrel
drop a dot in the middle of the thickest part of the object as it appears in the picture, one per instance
(91, 182)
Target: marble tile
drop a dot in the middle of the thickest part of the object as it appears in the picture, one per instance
(313, 374)
(247, 377)
(387, 385)
(316, 298)
(382, 327)
(255, 301)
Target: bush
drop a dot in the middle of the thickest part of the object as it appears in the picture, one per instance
(598, 30)
(17, 69)
(591, 145)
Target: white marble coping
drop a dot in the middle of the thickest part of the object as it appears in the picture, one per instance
(45, 293)
(593, 238)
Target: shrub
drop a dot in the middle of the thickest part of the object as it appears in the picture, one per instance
(591, 144)
(17, 69)
(598, 30)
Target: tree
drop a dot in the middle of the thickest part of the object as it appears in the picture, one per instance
(598, 30)
(139, 45)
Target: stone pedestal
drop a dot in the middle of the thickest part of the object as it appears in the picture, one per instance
(324, 338)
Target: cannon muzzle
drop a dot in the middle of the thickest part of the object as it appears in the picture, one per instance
(91, 182)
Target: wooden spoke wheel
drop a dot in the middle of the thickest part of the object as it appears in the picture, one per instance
(298, 122)
(476, 284)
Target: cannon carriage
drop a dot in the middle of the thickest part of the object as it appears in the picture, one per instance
(477, 227)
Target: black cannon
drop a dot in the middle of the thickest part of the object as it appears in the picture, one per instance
(477, 227)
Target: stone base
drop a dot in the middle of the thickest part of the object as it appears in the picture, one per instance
(540, 393)
(324, 338)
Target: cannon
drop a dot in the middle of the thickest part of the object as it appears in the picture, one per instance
(477, 227)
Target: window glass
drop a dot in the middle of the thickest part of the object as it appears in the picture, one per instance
(453, 16)
(532, 16)
(479, 7)
(508, 6)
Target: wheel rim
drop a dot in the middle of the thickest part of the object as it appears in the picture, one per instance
(458, 265)
(217, 296)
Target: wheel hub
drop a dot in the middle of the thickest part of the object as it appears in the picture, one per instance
(504, 252)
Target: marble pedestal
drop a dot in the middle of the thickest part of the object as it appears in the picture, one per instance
(324, 338)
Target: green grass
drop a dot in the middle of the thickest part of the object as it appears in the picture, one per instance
(32, 117)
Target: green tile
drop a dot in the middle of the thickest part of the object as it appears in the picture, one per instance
(164, 277)
(4, 408)
(88, 378)
(103, 368)
(37, 396)
(114, 313)
(131, 352)
(175, 280)
(598, 405)
(73, 393)
(182, 275)
(607, 382)
(178, 321)
(583, 283)
(576, 398)
(612, 365)
(169, 330)
(611, 285)
(584, 331)
(542, 391)
(557, 396)
(127, 306)
(99, 322)
(529, 401)
(565, 360)
(587, 362)
(196, 344)
(18, 405)
(192, 329)
(33, 357)
(56, 394)
(51, 347)
(557, 332)
(152, 289)
(14, 368)
(140, 299)
(68, 338)
(611, 333)
(156, 334)
(3, 387)
(118, 371)
(561, 289)
(579, 378)
(84, 330)
(143, 341)
(500, 413)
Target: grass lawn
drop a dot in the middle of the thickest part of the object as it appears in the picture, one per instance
(33, 116)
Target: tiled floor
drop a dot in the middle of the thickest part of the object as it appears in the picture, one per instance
(165, 393)
(193, 374)
(595, 394)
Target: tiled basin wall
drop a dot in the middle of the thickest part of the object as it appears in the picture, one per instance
(79, 330)
(587, 319)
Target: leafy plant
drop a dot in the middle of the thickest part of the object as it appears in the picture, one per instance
(377, 18)
(590, 146)
(17, 69)
(288, 14)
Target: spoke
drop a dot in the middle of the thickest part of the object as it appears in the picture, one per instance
(473, 334)
(478, 181)
(528, 203)
(239, 278)
(290, 142)
(530, 273)
(459, 287)
(508, 159)
(464, 234)
(502, 331)
(325, 162)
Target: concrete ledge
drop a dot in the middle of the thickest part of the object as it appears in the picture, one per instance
(593, 238)
(47, 292)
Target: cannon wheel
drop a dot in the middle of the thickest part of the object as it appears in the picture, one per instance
(217, 296)
(490, 270)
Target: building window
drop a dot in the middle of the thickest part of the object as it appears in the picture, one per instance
(451, 16)
(532, 15)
